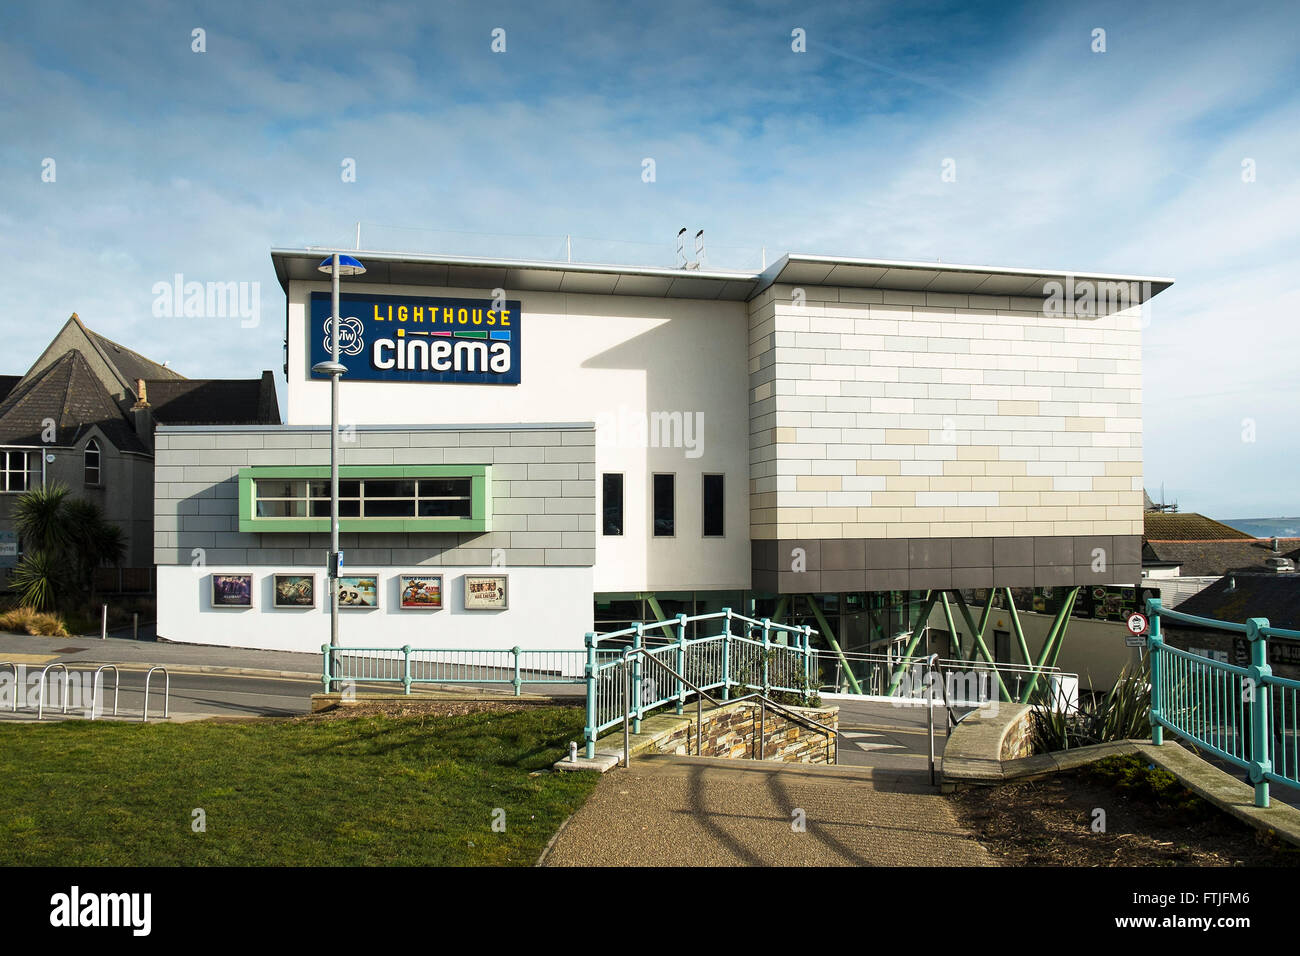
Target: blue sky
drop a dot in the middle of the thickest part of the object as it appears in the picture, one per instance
(170, 161)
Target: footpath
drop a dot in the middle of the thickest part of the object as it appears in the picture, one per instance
(140, 655)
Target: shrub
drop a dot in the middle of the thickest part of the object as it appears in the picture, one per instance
(1121, 713)
(28, 620)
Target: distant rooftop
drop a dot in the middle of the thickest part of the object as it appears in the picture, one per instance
(1187, 526)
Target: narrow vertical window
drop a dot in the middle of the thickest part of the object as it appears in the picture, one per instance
(611, 503)
(713, 506)
(663, 506)
(92, 462)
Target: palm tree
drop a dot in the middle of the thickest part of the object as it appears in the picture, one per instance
(65, 539)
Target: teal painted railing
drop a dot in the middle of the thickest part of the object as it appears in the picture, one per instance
(747, 654)
(1244, 715)
(456, 665)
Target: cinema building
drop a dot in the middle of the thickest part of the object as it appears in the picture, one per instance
(532, 450)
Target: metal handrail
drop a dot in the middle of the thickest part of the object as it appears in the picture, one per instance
(167, 693)
(96, 682)
(14, 667)
(796, 717)
(40, 692)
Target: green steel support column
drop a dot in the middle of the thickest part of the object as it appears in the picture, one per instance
(1060, 636)
(952, 628)
(1154, 645)
(930, 598)
(1015, 625)
(1062, 616)
(1260, 724)
(830, 639)
(979, 637)
(590, 731)
(658, 612)
(782, 604)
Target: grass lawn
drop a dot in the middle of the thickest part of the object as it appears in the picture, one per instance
(363, 791)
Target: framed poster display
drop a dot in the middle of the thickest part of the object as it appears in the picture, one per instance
(232, 590)
(487, 592)
(358, 591)
(294, 590)
(419, 592)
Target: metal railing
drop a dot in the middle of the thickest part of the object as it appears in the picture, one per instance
(759, 750)
(1246, 716)
(767, 663)
(410, 666)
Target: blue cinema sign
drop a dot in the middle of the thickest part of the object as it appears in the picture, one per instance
(398, 338)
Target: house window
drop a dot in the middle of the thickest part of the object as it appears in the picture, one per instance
(611, 503)
(92, 454)
(713, 510)
(663, 506)
(16, 473)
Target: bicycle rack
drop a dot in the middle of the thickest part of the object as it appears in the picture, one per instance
(167, 692)
(17, 690)
(97, 682)
(40, 699)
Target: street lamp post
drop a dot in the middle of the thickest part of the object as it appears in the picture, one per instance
(335, 265)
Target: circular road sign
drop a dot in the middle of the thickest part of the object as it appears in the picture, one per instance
(1137, 623)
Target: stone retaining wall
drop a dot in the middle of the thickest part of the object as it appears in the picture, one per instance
(733, 731)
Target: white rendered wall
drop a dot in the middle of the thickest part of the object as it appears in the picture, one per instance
(549, 608)
(615, 360)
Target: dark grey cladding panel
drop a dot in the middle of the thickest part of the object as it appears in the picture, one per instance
(763, 555)
(844, 554)
(935, 563)
(886, 555)
(1013, 552)
(1085, 545)
(844, 580)
(890, 580)
(928, 553)
(1013, 577)
(926, 578)
(1054, 576)
(1128, 549)
(972, 553)
(1054, 552)
(972, 578)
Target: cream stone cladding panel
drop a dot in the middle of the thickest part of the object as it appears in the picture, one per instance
(892, 414)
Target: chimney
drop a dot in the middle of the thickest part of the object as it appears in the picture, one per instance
(1276, 549)
(141, 416)
(1232, 583)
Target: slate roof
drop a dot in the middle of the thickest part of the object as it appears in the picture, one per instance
(1187, 526)
(1212, 558)
(131, 365)
(69, 392)
(1274, 596)
(7, 383)
(214, 401)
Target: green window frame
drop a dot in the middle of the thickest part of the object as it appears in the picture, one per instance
(479, 518)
